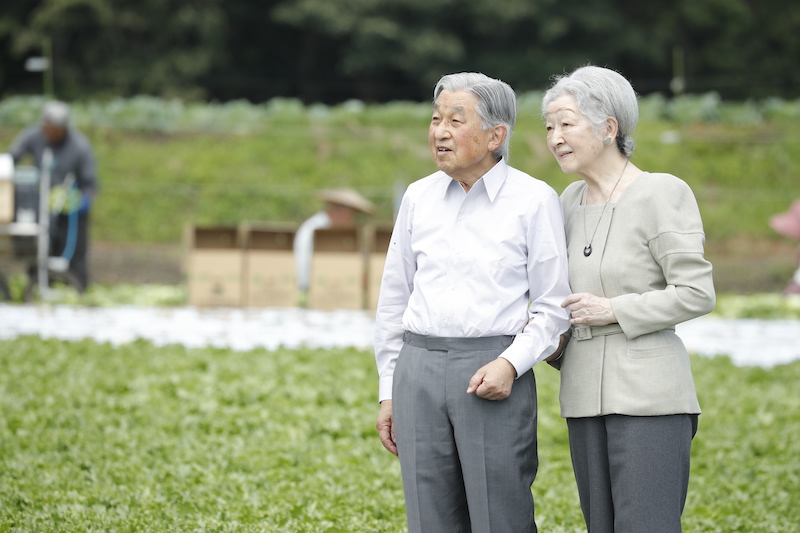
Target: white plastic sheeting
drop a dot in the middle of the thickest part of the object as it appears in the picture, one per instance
(763, 343)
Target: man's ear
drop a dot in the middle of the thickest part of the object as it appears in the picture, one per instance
(499, 134)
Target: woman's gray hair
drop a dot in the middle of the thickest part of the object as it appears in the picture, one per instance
(600, 93)
(497, 102)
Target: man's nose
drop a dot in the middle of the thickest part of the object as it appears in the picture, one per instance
(441, 131)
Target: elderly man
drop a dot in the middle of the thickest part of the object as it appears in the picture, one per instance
(73, 181)
(470, 301)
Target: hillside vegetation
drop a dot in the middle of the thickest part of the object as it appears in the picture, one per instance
(166, 163)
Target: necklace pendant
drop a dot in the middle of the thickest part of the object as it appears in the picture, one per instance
(587, 251)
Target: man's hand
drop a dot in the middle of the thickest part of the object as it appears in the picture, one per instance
(493, 381)
(385, 426)
(562, 343)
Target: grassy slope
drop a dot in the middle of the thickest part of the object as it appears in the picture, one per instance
(154, 183)
(144, 438)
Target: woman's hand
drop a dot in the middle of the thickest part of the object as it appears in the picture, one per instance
(589, 310)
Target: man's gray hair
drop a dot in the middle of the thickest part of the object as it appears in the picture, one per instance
(497, 103)
(600, 93)
(56, 113)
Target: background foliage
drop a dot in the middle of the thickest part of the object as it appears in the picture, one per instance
(145, 438)
(382, 50)
(164, 163)
(167, 163)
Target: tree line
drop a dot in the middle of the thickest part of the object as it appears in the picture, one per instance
(331, 51)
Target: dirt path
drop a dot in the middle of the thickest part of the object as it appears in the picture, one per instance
(751, 265)
(740, 265)
(137, 263)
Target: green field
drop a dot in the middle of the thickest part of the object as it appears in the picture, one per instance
(144, 438)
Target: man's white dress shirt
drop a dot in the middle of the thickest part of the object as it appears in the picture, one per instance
(491, 261)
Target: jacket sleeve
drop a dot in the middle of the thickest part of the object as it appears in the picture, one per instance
(22, 145)
(86, 169)
(676, 243)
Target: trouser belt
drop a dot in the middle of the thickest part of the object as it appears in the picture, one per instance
(583, 333)
(457, 343)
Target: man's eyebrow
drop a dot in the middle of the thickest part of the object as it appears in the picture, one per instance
(457, 109)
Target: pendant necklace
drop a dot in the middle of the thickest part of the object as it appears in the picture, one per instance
(587, 250)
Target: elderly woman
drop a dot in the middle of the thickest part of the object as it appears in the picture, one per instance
(636, 266)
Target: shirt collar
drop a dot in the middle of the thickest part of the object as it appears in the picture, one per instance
(492, 181)
(495, 178)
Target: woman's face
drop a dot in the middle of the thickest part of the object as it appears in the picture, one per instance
(570, 136)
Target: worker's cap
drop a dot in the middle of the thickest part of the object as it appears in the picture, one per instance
(56, 113)
(788, 223)
(347, 198)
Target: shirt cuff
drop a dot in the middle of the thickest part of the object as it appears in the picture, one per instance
(521, 362)
(385, 388)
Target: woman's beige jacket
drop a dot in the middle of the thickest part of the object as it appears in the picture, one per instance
(647, 257)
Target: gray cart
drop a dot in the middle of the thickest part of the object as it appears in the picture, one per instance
(27, 237)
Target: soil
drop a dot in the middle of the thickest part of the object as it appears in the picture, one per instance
(742, 265)
(112, 264)
(749, 265)
(137, 264)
